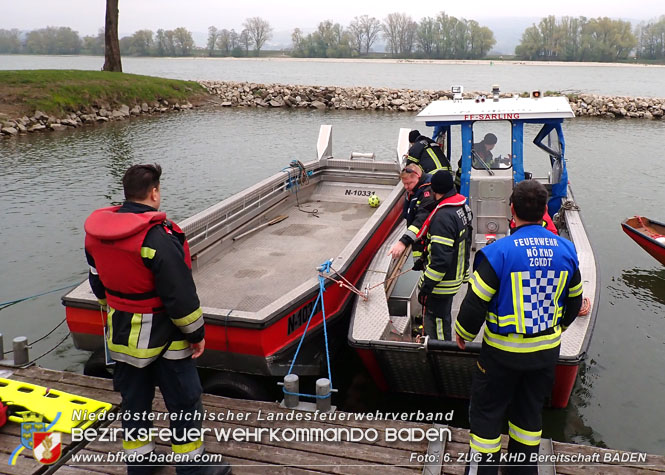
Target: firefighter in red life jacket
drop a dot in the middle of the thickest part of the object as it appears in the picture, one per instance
(448, 243)
(140, 267)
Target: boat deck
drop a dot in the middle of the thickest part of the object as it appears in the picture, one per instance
(291, 457)
(255, 270)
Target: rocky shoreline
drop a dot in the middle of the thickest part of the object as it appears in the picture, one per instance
(243, 94)
(40, 121)
(240, 94)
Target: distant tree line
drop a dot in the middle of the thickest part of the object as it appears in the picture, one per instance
(442, 37)
(256, 31)
(577, 39)
(651, 39)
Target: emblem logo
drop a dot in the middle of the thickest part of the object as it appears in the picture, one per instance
(48, 447)
(31, 423)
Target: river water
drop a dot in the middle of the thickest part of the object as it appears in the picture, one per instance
(49, 183)
(609, 79)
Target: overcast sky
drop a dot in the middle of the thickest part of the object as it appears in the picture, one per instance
(87, 16)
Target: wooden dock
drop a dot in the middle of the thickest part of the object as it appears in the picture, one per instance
(293, 457)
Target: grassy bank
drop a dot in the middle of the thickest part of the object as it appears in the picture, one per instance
(57, 92)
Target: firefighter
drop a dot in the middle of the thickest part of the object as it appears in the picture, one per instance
(527, 289)
(426, 153)
(140, 267)
(419, 201)
(448, 241)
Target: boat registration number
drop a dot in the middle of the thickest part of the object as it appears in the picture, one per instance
(350, 192)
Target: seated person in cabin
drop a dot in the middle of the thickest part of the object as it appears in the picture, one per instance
(482, 157)
(481, 152)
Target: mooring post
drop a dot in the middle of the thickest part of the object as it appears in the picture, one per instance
(20, 345)
(323, 388)
(292, 385)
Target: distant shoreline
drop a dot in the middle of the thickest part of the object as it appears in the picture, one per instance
(489, 62)
(424, 61)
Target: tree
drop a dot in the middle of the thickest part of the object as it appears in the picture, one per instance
(223, 42)
(651, 39)
(183, 41)
(481, 40)
(577, 39)
(357, 35)
(52, 40)
(399, 30)
(111, 44)
(297, 42)
(427, 35)
(169, 39)
(371, 29)
(142, 43)
(94, 44)
(531, 45)
(160, 42)
(212, 40)
(245, 40)
(10, 41)
(259, 30)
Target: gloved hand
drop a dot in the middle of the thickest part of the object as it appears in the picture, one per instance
(422, 297)
(419, 264)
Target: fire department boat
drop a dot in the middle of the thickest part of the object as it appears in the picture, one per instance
(531, 138)
(256, 270)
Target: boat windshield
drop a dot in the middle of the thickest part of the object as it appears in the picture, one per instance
(491, 145)
(548, 139)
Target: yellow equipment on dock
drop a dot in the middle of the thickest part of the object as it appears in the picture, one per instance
(75, 411)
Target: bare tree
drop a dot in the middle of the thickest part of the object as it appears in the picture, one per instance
(399, 30)
(357, 35)
(245, 40)
(259, 30)
(371, 29)
(111, 44)
(223, 42)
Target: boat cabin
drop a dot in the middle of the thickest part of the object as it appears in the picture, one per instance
(529, 142)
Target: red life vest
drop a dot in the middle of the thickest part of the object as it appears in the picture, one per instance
(455, 200)
(547, 223)
(114, 240)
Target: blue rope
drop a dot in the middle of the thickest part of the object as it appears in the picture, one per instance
(307, 395)
(12, 302)
(325, 267)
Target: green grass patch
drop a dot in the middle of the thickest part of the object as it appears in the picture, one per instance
(57, 92)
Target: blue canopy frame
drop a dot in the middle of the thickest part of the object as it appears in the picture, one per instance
(559, 189)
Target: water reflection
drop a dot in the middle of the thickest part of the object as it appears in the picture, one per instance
(647, 285)
(118, 148)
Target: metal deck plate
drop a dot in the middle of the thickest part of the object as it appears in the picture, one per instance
(255, 270)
